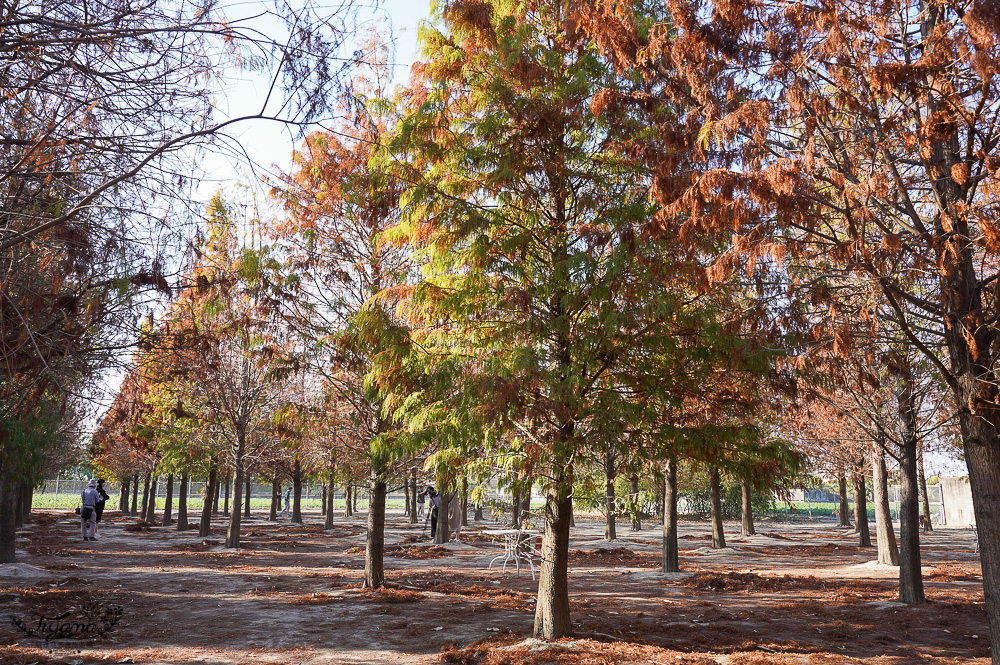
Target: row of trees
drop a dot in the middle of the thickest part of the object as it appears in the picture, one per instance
(616, 233)
(474, 274)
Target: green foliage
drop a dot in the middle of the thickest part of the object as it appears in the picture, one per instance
(29, 442)
(695, 495)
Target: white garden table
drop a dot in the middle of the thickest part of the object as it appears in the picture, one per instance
(514, 549)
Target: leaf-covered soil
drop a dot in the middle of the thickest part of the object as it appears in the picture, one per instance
(802, 592)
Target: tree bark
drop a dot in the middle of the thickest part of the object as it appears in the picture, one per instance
(215, 495)
(885, 537)
(552, 619)
(911, 584)
(718, 534)
(25, 496)
(861, 508)
(515, 509)
(182, 506)
(248, 490)
(661, 492)
(297, 491)
(465, 502)
(236, 514)
(205, 525)
(636, 508)
(145, 497)
(746, 527)
(150, 515)
(406, 496)
(347, 500)
(443, 533)
(322, 502)
(414, 518)
(134, 510)
(375, 541)
(610, 472)
(275, 497)
(671, 563)
(225, 503)
(845, 506)
(123, 497)
(169, 501)
(233, 532)
(982, 456)
(328, 524)
(8, 510)
(922, 480)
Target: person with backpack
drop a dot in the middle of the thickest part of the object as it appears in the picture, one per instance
(88, 510)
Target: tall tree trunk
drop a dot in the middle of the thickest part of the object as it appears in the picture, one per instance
(29, 498)
(297, 491)
(348, 511)
(845, 507)
(145, 497)
(465, 502)
(861, 508)
(8, 510)
(375, 540)
(233, 533)
(982, 456)
(746, 527)
(225, 503)
(515, 510)
(236, 514)
(134, 510)
(216, 494)
(168, 503)
(610, 472)
(552, 619)
(406, 496)
(636, 508)
(442, 533)
(922, 479)
(205, 525)
(911, 584)
(885, 537)
(26, 492)
(718, 534)
(671, 563)
(328, 524)
(123, 497)
(477, 513)
(322, 501)
(150, 515)
(248, 490)
(182, 504)
(275, 497)
(414, 518)
(661, 492)
(526, 499)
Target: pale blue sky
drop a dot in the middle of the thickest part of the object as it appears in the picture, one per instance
(270, 143)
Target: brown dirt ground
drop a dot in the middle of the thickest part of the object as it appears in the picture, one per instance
(801, 592)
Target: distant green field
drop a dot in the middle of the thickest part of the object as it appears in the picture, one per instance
(52, 501)
(830, 509)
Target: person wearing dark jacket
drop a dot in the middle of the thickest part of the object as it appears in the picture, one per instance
(435, 502)
(99, 506)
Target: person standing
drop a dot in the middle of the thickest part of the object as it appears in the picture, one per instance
(88, 510)
(99, 508)
(435, 502)
(287, 510)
